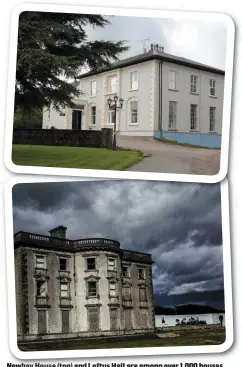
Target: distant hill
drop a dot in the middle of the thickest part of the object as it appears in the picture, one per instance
(189, 309)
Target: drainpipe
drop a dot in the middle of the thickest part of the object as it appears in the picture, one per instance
(160, 99)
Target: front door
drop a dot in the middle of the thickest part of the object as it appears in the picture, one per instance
(76, 119)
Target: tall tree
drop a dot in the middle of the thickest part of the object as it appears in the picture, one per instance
(52, 49)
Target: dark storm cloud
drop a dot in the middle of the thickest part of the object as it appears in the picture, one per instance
(178, 223)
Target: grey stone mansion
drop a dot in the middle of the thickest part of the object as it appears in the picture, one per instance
(86, 287)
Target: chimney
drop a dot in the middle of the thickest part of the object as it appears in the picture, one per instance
(157, 47)
(59, 232)
(152, 47)
(162, 49)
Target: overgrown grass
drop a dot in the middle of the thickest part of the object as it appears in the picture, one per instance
(183, 338)
(183, 144)
(74, 157)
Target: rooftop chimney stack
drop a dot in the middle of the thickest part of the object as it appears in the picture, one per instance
(157, 47)
(162, 49)
(152, 47)
(59, 232)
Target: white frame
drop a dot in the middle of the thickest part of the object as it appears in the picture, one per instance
(36, 262)
(212, 87)
(112, 88)
(172, 81)
(67, 290)
(134, 82)
(91, 115)
(93, 89)
(194, 84)
(172, 124)
(212, 108)
(193, 116)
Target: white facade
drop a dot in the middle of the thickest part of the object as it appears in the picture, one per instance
(173, 100)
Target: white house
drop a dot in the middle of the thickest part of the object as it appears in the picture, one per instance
(164, 96)
(171, 320)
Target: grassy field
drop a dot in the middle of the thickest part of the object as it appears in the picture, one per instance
(183, 338)
(74, 157)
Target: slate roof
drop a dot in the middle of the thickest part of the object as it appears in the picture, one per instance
(155, 55)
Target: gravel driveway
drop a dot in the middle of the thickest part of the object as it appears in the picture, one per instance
(171, 158)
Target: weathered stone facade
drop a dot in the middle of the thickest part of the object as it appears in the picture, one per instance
(85, 287)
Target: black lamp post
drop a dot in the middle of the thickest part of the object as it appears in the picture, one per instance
(113, 105)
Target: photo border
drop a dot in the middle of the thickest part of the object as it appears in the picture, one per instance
(205, 349)
(92, 173)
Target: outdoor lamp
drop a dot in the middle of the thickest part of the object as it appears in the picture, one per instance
(115, 99)
(121, 101)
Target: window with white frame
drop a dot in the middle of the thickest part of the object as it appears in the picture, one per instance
(112, 289)
(93, 115)
(64, 290)
(172, 114)
(134, 80)
(212, 111)
(134, 112)
(92, 288)
(40, 261)
(193, 117)
(41, 288)
(193, 82)
(112, 84)
(93, 88)
(212, 87)
(172, 79)
(62, 264)
(90, 263)
(111, 263)
(111, 117)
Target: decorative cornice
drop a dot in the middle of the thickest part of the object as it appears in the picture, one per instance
(65, 306)
(42, 306)
(92, 277)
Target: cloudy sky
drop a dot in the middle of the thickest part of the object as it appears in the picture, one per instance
(178, 223)
(197, 40)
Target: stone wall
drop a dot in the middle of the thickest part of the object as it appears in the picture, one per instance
(73, 138)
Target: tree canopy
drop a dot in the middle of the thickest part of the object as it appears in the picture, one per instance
(52, 49)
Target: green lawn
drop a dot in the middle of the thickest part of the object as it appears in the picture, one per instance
(74, 157)
(183, 338)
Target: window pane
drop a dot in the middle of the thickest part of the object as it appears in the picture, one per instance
(134, 112)
(40, 261)
(172, 114)
(212, 119)
(92, 289)
(91, 263)
(141, 274)
(125, 271)
(40, 288)
(112, 84)
(63, 264)
(93, 115)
